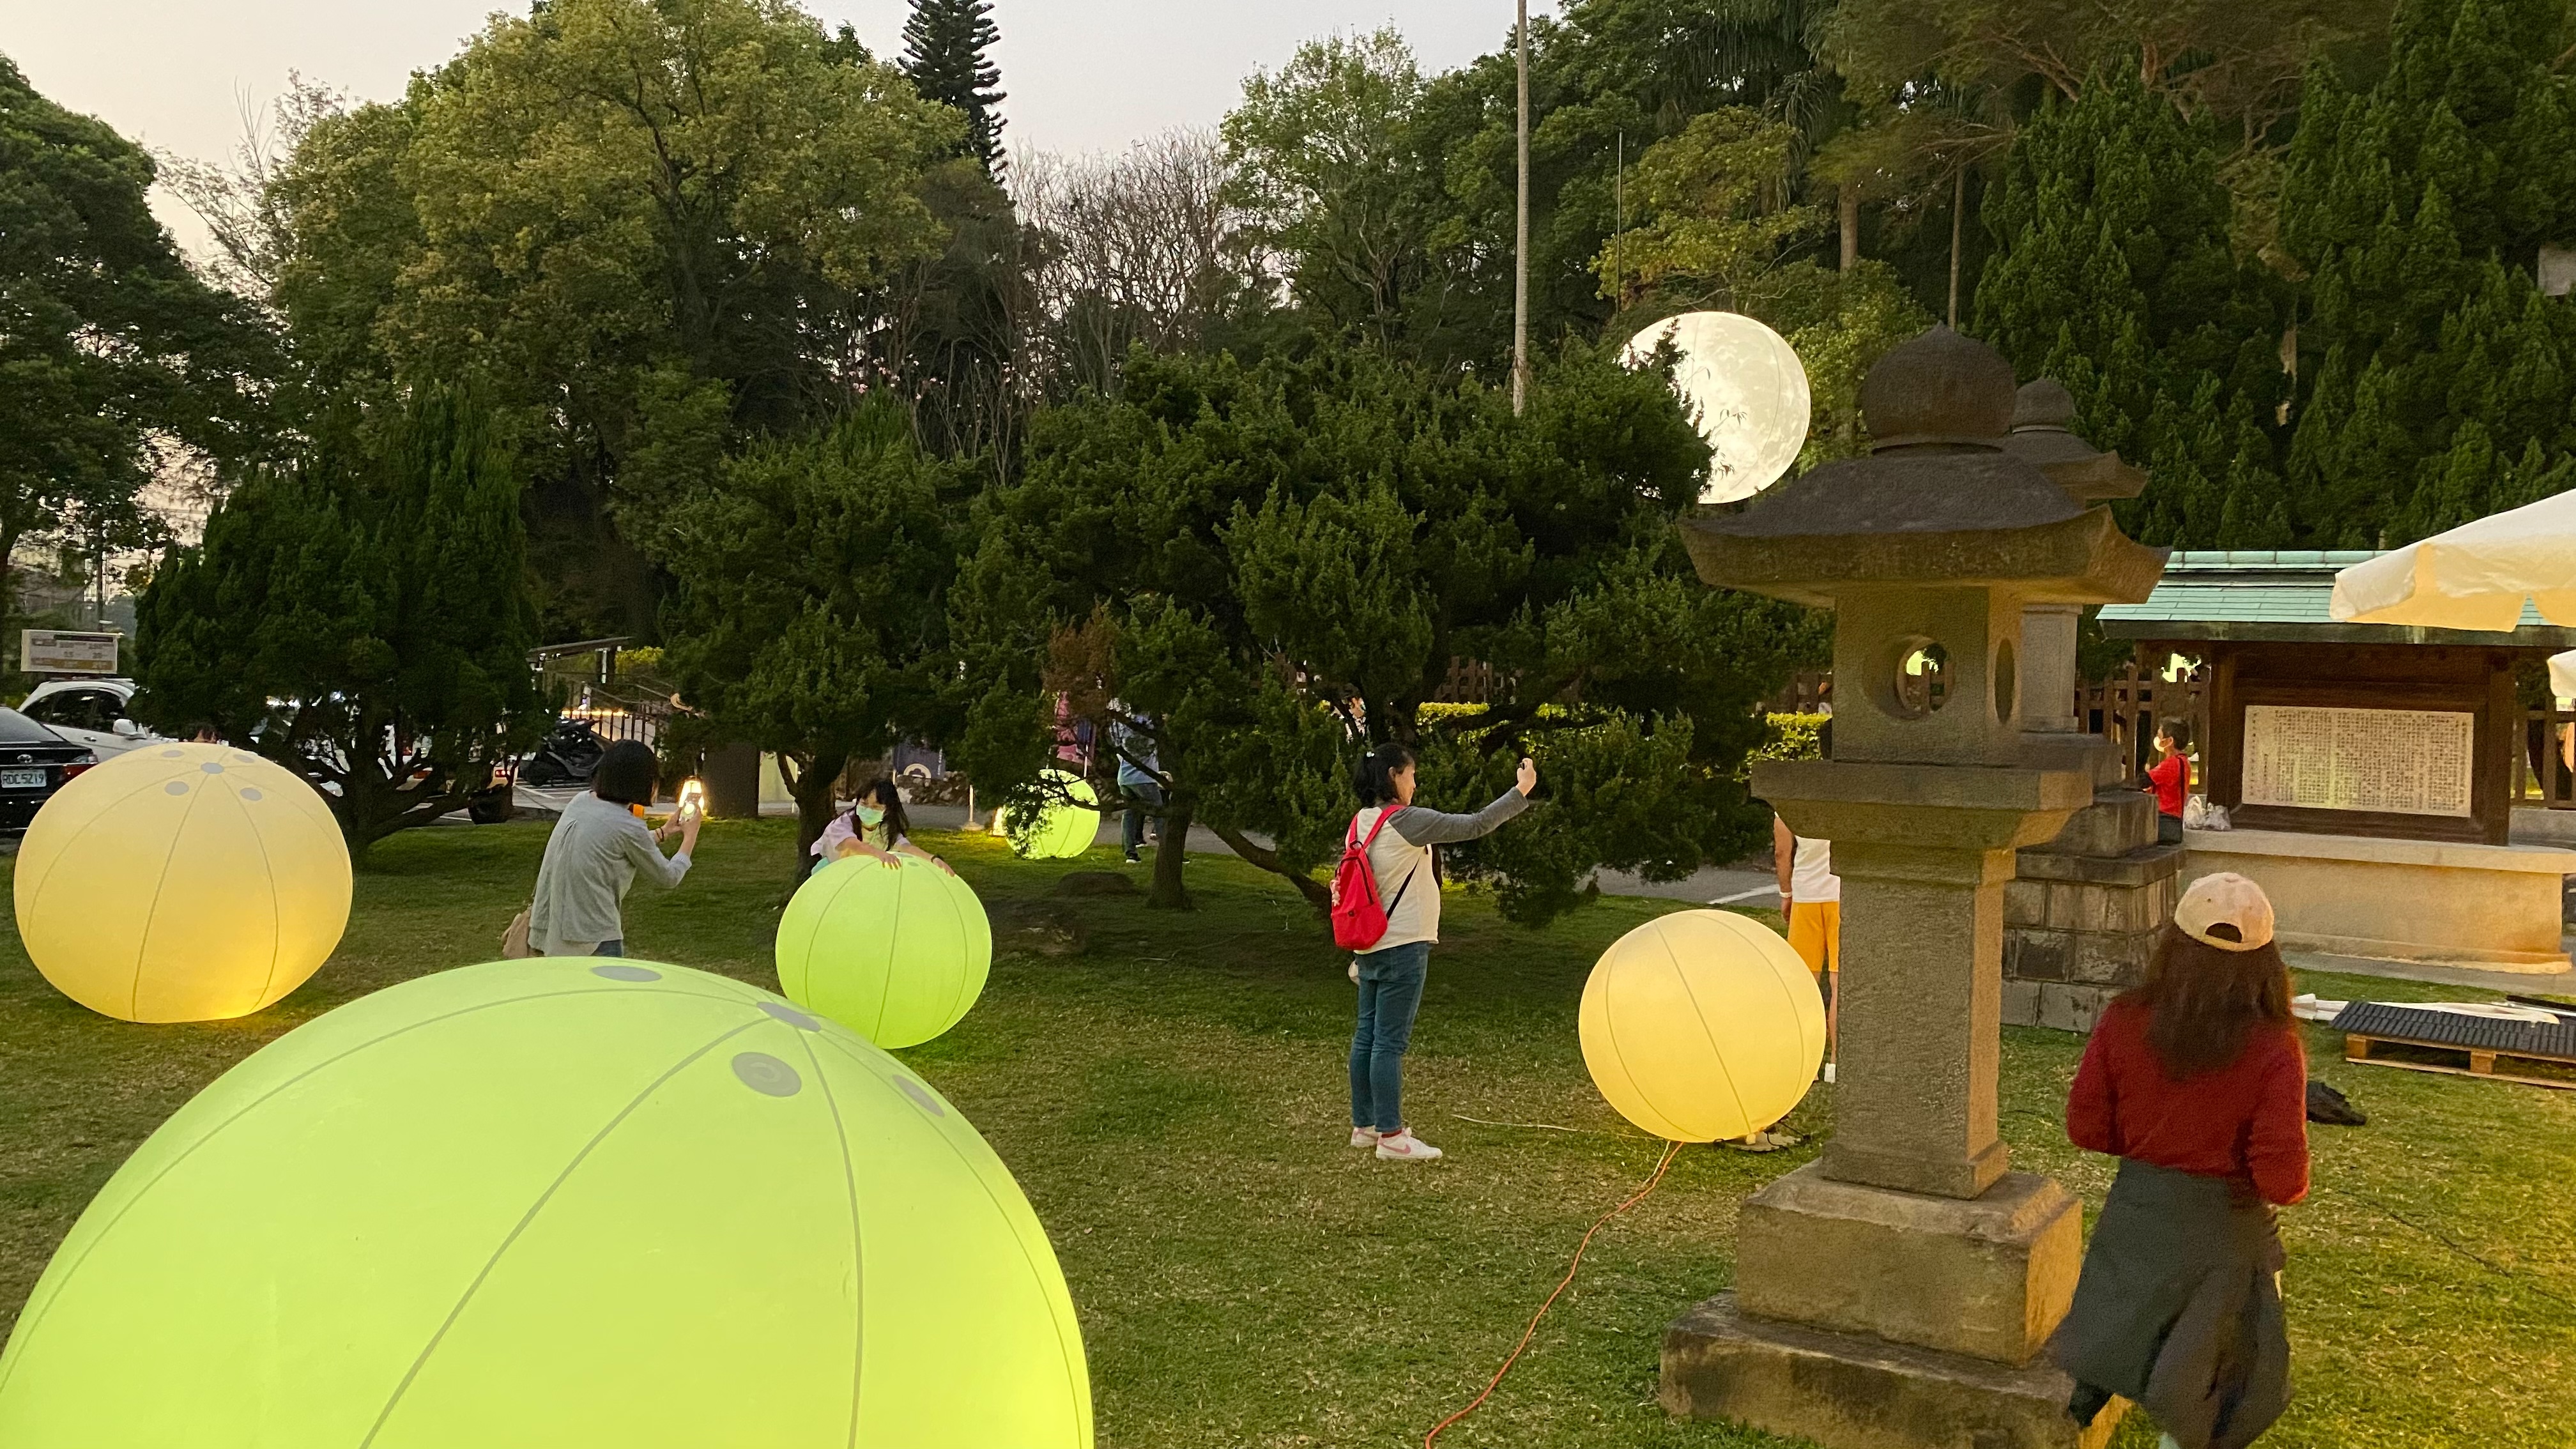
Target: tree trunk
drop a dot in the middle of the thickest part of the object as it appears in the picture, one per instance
(1171, 889)
(813, 788)
(1958, 213)
(1317, 894)
(1850, 202)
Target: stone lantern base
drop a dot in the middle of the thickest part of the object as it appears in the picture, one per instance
(1850, 1391)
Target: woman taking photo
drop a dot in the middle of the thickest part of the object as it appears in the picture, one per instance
(598, 847)
(874, 826)
(1390, 973)
(2197, 1083)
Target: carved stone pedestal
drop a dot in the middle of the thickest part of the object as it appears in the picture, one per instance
(1852, 1391)
(2082, 913)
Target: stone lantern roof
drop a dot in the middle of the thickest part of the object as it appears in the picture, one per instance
(2043, 433)
(1942, 500)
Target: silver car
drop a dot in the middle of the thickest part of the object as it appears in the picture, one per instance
(91, 712)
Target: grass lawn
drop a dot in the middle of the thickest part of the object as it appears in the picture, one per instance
(1172, 1100)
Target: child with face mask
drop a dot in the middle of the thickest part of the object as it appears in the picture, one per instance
(876, 827)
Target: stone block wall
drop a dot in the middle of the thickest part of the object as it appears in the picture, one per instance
(2081, 915)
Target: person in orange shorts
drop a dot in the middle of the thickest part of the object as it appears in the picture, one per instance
(1811, 896)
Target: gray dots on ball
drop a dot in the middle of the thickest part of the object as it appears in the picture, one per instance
(626, 973)
(920, 1096)
(175, 787)
(250, 792)
(172, 754)
(767, 1075)
(212, 767)
(791, 1016)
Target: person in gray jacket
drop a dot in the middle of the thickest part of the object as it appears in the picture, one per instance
(595, 852)
(1390, 974)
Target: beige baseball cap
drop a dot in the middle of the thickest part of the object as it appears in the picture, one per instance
(2226, 900)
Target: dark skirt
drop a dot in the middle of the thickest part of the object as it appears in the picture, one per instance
(2179, 1308)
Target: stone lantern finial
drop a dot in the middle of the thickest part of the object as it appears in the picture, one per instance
(1938, 389)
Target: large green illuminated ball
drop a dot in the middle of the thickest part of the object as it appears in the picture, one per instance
(567, 1203)
(896, 954)
(1064, 830)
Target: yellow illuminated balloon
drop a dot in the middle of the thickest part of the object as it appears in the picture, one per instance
(182, 883)
(564, 1203)
(897, 955)
(1064, 830)
(1702, 1026)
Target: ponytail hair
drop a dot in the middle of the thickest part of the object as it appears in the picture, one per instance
(1372, 780)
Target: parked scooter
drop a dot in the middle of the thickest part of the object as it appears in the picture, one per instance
(570, 754)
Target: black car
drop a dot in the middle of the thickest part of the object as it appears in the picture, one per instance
(34, 763)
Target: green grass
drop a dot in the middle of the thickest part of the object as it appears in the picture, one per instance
(1172, 1101)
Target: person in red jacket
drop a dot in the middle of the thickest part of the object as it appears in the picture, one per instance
(2196, 1081)
(2169, 780)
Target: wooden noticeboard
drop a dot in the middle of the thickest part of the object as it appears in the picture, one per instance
(2409, 741)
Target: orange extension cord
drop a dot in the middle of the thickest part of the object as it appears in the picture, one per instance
(1670, 1152)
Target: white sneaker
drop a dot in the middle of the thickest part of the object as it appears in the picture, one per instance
(1363, 1137)
(1402, 1146)
(1829, 1074)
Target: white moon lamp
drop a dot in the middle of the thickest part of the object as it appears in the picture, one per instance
(1745, 388)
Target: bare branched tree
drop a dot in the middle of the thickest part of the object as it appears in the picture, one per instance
(1131, 247)
(237, 196)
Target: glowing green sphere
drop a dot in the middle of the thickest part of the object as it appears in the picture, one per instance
(896, 954)
(567, 1203)
(1064, 830)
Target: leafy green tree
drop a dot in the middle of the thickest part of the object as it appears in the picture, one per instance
(810, 614)
(360, 615)
(2115, 272)
(114, 357)
(653, 227)
(947, 52)
(2439, 383)
(1275, 565)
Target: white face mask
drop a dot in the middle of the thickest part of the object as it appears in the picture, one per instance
(871, 814)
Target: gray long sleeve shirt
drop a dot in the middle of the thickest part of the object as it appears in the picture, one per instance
(1401, 859)
(591, 861)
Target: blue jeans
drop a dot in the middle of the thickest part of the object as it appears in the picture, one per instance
(1390, 994)
(1151, 794)
(611, 948)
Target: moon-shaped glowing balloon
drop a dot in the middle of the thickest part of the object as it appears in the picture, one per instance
(563, 1203)
(1702, 1026)
(182, 882)
(897, 955)
(1747, 391)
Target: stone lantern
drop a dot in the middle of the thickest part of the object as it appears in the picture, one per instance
(1897, 1291)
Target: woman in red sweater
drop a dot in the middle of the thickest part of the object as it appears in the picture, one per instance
(2197, 1083)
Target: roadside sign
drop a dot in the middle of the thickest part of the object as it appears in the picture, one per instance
(59, 651)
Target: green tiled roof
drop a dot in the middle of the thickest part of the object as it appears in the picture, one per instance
(2283, 596)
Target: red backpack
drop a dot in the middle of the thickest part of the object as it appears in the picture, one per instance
(1359, 922)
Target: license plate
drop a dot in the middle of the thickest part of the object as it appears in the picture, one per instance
(22, 779)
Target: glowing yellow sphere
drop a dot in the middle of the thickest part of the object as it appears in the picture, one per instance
(1702, 1026)
(897, 955)
(1064, 830)
(182, 883)
(564, 1203)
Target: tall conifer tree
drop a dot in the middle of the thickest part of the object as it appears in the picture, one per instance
(2114, 273)
(2442, 378)
(947, 45)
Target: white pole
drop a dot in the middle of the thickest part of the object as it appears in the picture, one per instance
(1520, 265)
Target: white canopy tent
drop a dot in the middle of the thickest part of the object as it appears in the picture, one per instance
(2478, 576)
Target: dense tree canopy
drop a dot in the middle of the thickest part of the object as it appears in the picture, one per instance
(113, 355)
(360, 615)
(1270, 566)
(651, 226)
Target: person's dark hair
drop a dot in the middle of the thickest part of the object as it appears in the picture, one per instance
(627, 774)
(1371, 778)
(2203, 1003)
(2178, 731)
(882, 791)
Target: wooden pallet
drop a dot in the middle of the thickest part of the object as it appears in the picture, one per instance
(2356, 1048)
